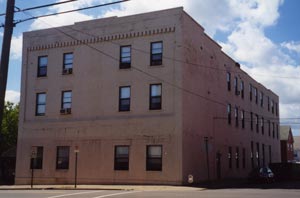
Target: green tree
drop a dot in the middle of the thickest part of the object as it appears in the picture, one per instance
(9, 131)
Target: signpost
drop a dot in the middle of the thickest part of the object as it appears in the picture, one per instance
(76, 151)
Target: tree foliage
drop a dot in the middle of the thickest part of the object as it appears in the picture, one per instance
(9, 130)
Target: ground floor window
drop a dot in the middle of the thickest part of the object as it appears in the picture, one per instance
(62, 157)
(154, 158)
(36, 161)
(121, 158)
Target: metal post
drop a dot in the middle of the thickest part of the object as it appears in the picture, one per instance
(76, 151)
(32, 171)
(76, 156)
(207, 159)
(8, 31)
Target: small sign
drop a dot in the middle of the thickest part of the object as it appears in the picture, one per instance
(76, 150)
(190, 179)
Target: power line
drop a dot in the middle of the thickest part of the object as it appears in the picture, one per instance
(37, 7)
(69, 11)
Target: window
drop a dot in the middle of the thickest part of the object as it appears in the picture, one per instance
(228, 77)
(155, 96)
(62, 157)
(154, 158)
(229, 113)
(263, 155)
(68, 63)
(237, 160)
(124, 98)
(252, 157)
(255, 95)
(36, 161)
(257, 154)
(251, 120)
(242, 89)
(121, 158)
(125, 57)
(273, 129)
(277, 132)
(66, 102)
(40, 108)
(270, 154)
(276, 108)
(236, 91)
(230, 157)
(269, 128)
(272, 106)
(261, 99)
(244, 158)
(236, 116)
(256, 123)
(156, 53)
(268, 103)
(250, 92)
(262, 125)
(42, 66)
(243, 118)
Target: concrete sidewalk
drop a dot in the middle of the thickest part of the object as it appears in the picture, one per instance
(103, 187)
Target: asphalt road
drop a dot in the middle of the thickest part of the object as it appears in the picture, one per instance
(224, 193)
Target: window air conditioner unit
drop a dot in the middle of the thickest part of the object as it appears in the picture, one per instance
(65, 111)
(68, 71)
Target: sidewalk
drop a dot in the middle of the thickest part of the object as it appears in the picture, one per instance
(102, 187)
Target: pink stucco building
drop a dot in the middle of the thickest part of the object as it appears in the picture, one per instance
(146, 99)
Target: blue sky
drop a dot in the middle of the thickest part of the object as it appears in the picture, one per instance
(263, 35)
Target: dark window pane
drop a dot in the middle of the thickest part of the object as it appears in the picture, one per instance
(125, 57)
(121, 158)
(154, 158)
(62, 157)
(156, 53)
(36, 161)
(42, 66)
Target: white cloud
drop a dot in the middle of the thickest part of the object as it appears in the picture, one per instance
(16, 47)
(292, 46)
(12, 96)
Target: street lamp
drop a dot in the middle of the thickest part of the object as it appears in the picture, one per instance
(76, 151)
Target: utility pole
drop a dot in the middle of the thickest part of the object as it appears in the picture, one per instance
(8, 31)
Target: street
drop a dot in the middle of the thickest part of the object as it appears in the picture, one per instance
(230, 193)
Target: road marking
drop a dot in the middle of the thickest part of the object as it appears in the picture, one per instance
(79, 193)
(116, 194)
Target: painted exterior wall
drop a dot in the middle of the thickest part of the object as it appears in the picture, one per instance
(194, 99)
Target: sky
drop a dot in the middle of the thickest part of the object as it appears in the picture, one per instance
(262, 35)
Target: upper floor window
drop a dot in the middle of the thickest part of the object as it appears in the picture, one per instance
(229, 113)
(228, 78)
(262, 125)
(261, 98)
(251, 121)
(121, 158)
(36, 161)
(40, 104)
(155, 96)
(66, 102)
(250, 92)
(243, 118)
(236, 116)
(242, 89)
(268, 103)
(276, 108)
(62, 157)
(154, 158)
(156, 53)
(125, 57)
(68, 63)
(256, 122)
(272, 106)
(236, 90)
(124, 98)
(42, 66)
(255, 95)
(269, 128)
